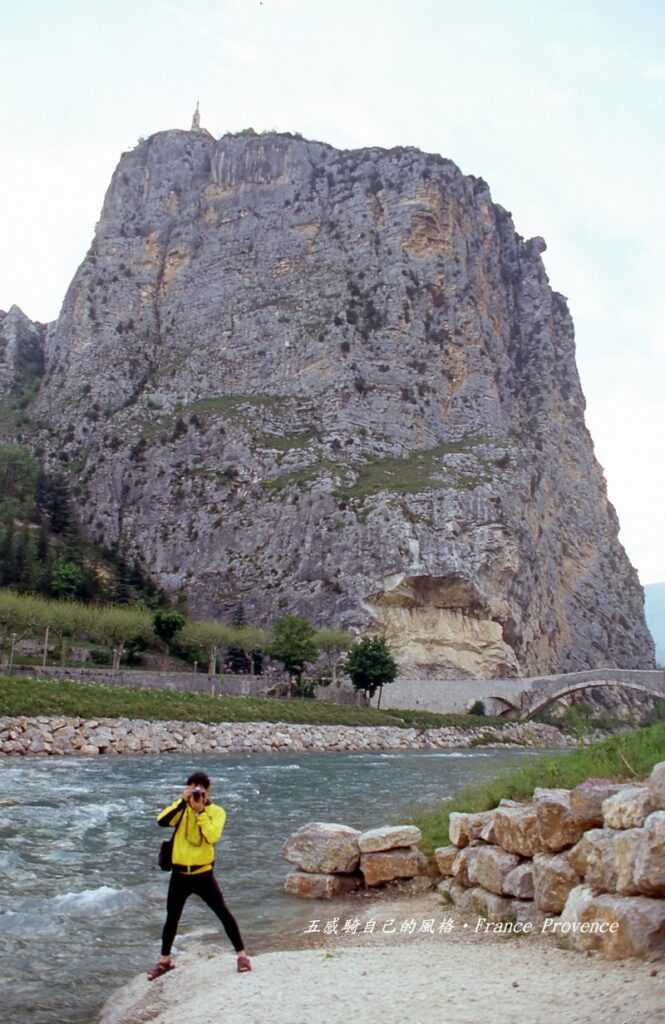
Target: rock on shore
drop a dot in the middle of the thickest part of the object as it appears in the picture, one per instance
(602, 887)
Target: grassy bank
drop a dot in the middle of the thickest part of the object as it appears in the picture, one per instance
(32, 697)
(627, 756)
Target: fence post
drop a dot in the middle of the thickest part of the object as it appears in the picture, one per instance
(11, 652)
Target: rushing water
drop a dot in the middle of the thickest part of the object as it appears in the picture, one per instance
(82, 900)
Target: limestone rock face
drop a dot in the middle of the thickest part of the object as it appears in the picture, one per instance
(338, 383)
(21, 350)
(323, 847)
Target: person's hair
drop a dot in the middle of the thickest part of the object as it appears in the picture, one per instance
(199, 779)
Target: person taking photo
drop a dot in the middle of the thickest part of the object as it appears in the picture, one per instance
(198, 826)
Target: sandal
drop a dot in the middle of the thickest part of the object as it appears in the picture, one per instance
(159, 969)
(243, 963)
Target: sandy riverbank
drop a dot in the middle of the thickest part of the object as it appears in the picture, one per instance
(459, 977)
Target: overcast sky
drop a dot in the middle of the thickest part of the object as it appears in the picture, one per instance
(559, 106)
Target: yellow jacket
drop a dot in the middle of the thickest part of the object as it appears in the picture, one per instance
(196, 835)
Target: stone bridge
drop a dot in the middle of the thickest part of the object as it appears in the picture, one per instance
(538, 692)
(521, 697)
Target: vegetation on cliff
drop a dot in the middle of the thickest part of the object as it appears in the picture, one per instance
(42, 548)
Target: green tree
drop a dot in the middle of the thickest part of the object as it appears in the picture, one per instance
(251, 641)
(293, 644)
(333, 643)
(370, 665)
(208, 637)
(18, 477)
(166, 624)
(115, 627)
(66, 579)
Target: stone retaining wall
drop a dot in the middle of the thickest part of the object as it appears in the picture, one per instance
(230, 684)
(66, 735)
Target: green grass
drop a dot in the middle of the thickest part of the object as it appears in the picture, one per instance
(287, 442)
(32, 697)
(627, 756)
(228, 405)
(420, 471)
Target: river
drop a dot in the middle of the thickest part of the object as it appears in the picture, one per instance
(82, 899)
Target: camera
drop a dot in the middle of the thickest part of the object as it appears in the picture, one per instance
(198, 793)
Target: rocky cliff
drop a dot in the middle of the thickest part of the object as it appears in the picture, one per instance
(21, 352)
(338, 383)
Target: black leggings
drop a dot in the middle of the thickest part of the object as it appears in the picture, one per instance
(204, 885)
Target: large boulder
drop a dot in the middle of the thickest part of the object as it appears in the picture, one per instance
(593, 859)
(625, 847)
(516, 829)
(387, 865)
(488, 834)
(314, 886)
(323, 847)
(464, 828)
(388, 837)
(519, 881)
(445, 858)
(491, 865)
(490, 906)
(649, 868)
(463, 865)
(526, 912)
(618, 926)
(657, 786)
(628, 808)
(458, 895)
(557, 824)
(553, 879)
(586, 800)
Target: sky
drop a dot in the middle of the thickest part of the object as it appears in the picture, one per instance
(558, 106)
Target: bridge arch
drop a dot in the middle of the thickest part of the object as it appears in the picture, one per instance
(539, 697)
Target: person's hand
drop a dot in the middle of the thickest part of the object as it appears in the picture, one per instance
(186, 793)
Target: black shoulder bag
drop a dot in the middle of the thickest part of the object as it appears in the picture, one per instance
(165, 859)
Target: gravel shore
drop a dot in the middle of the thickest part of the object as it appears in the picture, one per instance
(385, 976)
